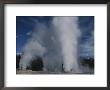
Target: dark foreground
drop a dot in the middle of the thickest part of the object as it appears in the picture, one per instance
(36, 67)
(85, 70)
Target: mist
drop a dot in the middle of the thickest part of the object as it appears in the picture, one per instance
(68, 33)
(57, 44)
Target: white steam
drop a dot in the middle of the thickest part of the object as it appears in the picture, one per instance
(57, 45)
(68, 33)
(33, 47)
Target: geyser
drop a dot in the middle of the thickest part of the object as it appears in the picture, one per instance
(68, 33)
(57, 45)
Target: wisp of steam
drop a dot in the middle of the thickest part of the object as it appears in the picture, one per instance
(56, 44)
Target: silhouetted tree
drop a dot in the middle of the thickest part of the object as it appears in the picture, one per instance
(28, 68)
(88, 61)
(18, 57)
(37, 64)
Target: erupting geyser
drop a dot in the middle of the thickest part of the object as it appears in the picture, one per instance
(57, 45)
(68, 32)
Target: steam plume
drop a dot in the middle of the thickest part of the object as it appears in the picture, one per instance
(68, 32)
(57, 45)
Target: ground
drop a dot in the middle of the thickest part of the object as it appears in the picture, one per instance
(45, 72)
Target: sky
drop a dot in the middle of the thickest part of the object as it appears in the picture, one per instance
(26, 24)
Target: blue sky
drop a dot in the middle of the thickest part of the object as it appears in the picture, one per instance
(25, 25)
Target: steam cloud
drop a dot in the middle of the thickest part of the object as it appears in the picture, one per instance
(68, 32)
(57, 45)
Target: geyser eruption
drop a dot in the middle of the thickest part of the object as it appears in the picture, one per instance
(33, 47)
(68, 33)
(56, 44)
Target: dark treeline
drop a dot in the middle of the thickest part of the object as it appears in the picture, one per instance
(87, 62)
(37, 63)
